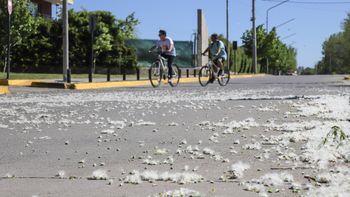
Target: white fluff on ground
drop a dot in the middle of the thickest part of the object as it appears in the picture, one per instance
(181, 178)
(99, 175)
(238, 169)
(182, 192)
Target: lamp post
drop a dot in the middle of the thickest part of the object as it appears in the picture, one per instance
(66, 73)
(227, 36)
(267, 27)
(9, 9)
(285, 23)
(268, 10)
(290, 35)
(254, 52)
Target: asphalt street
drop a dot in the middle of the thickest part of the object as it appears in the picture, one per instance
(255, 137)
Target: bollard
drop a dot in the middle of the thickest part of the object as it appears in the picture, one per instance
(194, 72)
(188, 73)
(137, 74)
(149, 74)
(124, 74)
(69, 76)
(108, 74)
(90, 77)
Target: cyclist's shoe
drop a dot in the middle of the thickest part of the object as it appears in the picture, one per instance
(170, 80)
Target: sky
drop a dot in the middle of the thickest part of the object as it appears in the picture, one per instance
(313, 23)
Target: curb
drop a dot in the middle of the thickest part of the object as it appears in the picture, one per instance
(19, 82)
(4, 90)
(115, 84)
(100, 85)
(42, 84)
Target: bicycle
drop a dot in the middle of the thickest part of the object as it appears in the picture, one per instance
(206, 74)
(159, 71)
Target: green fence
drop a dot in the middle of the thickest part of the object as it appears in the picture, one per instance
(184, 50)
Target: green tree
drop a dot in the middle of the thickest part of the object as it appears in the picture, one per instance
(336, 52)
(271, 50)
(23, 25)
(37, 41)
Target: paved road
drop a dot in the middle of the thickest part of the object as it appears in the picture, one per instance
(256, 137)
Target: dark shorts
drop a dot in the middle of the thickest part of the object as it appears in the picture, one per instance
(217, 59)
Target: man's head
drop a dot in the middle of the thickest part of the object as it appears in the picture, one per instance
(162, 34)
(214, 37)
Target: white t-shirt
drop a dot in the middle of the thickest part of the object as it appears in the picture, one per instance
(165, 46)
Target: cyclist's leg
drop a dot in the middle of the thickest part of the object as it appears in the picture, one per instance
(220, 63)
(215, 66)
(170, 68)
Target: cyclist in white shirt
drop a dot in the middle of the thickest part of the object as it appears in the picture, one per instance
(168, 51)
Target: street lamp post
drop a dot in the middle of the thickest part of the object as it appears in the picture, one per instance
(268, 10)
(285, 23)
(267, 27)
(290, 35)
(254, 52)
(227, 36)
(66, 73)
(8, 66)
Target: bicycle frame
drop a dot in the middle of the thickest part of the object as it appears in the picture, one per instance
(162, 62)
(210, 65)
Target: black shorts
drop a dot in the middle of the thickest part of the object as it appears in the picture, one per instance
(217, 59)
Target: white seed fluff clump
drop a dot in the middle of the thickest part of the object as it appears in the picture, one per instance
(181, 178)
(182, 192)
(107, 131)
(99, 175)
(237, 169)
(61, 174)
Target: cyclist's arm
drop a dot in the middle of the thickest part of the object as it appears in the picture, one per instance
(152, 48)
(217, 53)
(206, 50)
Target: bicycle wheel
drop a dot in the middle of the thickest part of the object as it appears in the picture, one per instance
(224, 76)
(175, 76)
(155, 74)
(204, 76)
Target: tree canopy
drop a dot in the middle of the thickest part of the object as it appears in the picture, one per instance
(271, 50)
(37, 41)
(336, 52)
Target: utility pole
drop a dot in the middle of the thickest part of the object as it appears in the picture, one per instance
(65, 42)
(92, 26)
(330, 63)
(255, 62)
(227, 36)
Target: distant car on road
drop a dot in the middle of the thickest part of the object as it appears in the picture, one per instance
(292, 73)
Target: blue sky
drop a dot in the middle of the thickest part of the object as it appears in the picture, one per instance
(312, 24)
